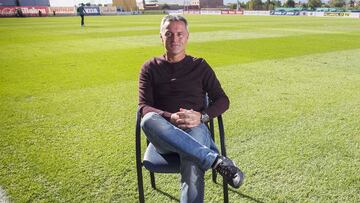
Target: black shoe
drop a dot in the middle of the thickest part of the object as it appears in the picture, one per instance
(229, 171)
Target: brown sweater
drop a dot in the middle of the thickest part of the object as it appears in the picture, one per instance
(166, 87)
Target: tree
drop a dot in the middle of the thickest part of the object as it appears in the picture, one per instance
(325, 5)
(304, 5)
(290, 3)
(337, 3)
(276, 3)
(232, 6)
(255, 5)
(247, 5)
(243, 5)
(313, 4)
(352, 3)
(269, 5)
(165, 6)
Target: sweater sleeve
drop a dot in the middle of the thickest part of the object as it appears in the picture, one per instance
(146, 93)
(220, 101)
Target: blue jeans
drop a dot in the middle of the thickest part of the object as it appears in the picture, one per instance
(195, 147)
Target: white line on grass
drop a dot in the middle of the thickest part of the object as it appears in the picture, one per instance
(3, 198)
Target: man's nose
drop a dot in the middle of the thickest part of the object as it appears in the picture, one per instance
(175, 38)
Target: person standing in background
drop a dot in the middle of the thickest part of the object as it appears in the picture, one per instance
(81, 11)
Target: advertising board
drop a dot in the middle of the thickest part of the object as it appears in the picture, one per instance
(62, 11)
(108, 10)
(232, 12)
(22, 11)
(256, 13)
(92, 10)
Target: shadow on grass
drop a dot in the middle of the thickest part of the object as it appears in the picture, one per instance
(242, 195)
(167, 195)
(246, 196)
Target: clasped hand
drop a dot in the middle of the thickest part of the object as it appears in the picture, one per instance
(185, 118)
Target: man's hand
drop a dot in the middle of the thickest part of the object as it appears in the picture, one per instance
(174, 117)
(185, 118)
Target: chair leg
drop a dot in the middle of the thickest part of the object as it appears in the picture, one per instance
(138, 157)
(225, 188)
(214, 175)
(140, 185)
(152, 178)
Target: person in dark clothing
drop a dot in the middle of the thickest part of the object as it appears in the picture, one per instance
(172, 91)
(19, 13)
(82, 12)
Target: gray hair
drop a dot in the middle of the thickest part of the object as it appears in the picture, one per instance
(172, 18)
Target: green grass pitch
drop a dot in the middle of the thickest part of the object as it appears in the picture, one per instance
(68, 97)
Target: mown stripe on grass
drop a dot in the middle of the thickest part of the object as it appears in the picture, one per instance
(225, 52)
(121, 38)
(275, 85)
(117, 42)
(59, 69)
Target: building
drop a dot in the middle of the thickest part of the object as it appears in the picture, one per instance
(207, 3)
(140, 5)
(211, 3)
(152, 6)
(195, 3)
(125, 5)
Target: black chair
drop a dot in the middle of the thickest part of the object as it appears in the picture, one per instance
(170, 163)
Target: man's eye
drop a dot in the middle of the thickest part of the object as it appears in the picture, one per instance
(168, 34)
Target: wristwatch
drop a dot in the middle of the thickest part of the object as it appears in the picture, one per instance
(205, 118)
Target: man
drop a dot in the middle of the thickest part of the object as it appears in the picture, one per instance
(82, 12)
(172, 91)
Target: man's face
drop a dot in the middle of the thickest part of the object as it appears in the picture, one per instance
(174, 37)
